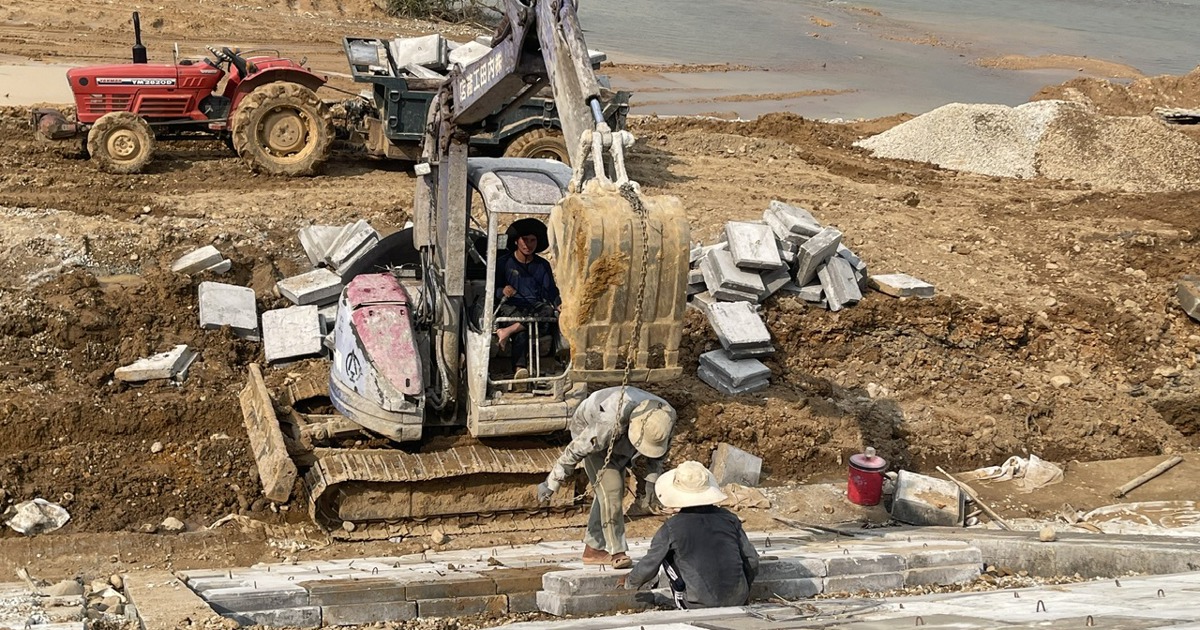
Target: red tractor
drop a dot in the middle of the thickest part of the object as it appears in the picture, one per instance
(267, 111)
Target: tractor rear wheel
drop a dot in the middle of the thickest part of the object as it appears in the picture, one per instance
(121, 143)
(283, 129)
(547, 144)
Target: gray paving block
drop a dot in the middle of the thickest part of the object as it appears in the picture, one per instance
(291, 333)
(721, 272)
(840, 285)
(353, 241)
(560, 605)
(942, 555)
(430, 50)
(869, 582)
(796, 219)
(228, 305)
(347, 591)
(316, 241)
(731, 464)
(837, 564)
(773, 569)
(900, 285)
(792, 589)
(814, 252)
(752, 245)
(734, 372)
(1187, 291)
(693, 289)
(466, 53)
(328, 315)
(695, 276)
(368, 613)
(319, 286)
(463, 606)
(751, 352)
(306, 617)
(261, 597)
(197, 260)
(774, 280)
(780, 229)
(738, 325)
(582, 581)
(715, 382)
(812, 293)
(163, 365)
(219, 268)
(523, 602)
(944, 575)
(702, 301)
(733, 295)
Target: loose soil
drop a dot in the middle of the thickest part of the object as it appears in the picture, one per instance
(1036, 280)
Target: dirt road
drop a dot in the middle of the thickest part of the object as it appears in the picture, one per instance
(1037, 280)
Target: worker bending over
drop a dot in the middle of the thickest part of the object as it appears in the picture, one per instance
(609, 430)
(703, 549)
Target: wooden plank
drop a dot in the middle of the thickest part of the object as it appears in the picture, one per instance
(276, 471)
(1147, 476)
(975, 497)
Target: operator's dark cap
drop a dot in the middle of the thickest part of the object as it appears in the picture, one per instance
(525, 227)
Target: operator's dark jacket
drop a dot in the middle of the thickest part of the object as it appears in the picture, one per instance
(710, 550)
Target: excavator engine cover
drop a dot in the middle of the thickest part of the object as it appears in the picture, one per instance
(621, 262)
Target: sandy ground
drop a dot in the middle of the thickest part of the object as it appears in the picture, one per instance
(1036, 279)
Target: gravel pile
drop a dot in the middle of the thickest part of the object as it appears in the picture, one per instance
(1055, 139)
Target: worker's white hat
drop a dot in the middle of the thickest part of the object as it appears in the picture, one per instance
(688, 485)
(650, 428)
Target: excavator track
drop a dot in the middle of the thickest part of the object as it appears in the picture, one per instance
(380, 493)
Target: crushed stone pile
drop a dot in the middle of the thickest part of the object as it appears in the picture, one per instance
(1054, 139)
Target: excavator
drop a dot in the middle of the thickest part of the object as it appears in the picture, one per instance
(430, 427)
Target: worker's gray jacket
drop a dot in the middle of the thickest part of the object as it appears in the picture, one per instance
(710, 550)
(596, 419)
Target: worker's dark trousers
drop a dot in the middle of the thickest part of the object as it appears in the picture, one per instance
(676, 582)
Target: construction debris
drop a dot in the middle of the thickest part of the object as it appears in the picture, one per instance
(172, 364)
(229, 305)
(901, 285)
(731, 464)
(1187, 291)
(319, 287)
(207, 258)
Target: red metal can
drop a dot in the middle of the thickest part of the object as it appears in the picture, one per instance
(865, 483)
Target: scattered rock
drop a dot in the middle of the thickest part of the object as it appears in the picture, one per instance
(116, 581)
(1047, 534)
(156, 447)
(439, 537)
(1059, 381)
(65, 588)
(172, 525)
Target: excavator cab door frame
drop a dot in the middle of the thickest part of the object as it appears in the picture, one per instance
(513, 188)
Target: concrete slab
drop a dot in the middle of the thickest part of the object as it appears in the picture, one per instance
(353, 241)
(812, 293)
(198, 260)
(219, 268)
(733, 372)
(900, 285)
(429, 50)
(731, 464)
(291, 333)
(775, 280)
(721, 272)
(228, 305)
(839, 283)
(306, 617)
(368, 613)
(316, 241)
(319, 286)
(163, 602)
(796, 219)
(752, 245)
(714, 381)
(468, 52)
(738, 325)
(163, 365)
(814, 252)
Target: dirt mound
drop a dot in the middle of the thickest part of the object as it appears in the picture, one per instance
(1133, 98)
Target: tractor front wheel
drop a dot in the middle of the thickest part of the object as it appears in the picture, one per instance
(547, 144)
(283, 129)
(121, 143)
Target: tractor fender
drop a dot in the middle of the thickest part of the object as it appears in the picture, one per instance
(274, 75)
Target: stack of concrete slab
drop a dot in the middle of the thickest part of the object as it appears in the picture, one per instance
(732, 376)
(207, 258)
(433, 56)
(337, 247)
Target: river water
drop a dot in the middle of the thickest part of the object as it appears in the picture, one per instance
(882, 56)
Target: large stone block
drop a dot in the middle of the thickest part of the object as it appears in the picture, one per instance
(582, 581)
(814, 252)
(943, 554)
(731, 464)
(316, 241)
(449, 585)
(869, 582)
(291, 333)
(462, 606)
(347, 591)
(319, 286)
(791, 589)
(228, 305)
(900, 285)
(752, 245)
(790, 568)
(797, 220)
(306, 617)
(735, 373)
(840, 285)
(727, 275)
(560, 604)
(738, 325)
(198, 260)
(523, 602)
(860, 562)
(260, 597)
(944, 575)
(519, 580)
(368, 613)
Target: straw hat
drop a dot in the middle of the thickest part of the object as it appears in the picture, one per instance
(650, 429)
(688, 485)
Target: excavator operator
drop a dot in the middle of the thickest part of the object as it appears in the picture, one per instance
(525, 287)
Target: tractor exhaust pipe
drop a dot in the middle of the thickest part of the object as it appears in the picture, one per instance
(139, 51)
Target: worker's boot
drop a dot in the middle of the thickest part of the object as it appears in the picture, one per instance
(519, 374)
(621, 561)
(595, 556)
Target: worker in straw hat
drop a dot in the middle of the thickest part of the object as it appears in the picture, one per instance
(610, 429)
(703, 549)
